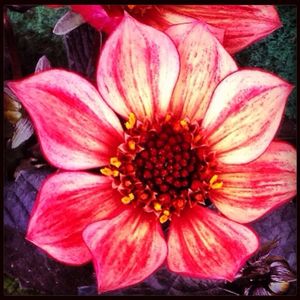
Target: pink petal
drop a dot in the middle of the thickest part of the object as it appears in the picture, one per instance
(206, 245)
(251, 190)
(161, 18)
(204, 63)
(97, 16)
(243, 24)
(126, 249)
(66, 204)
(75, 127)
(244, 114)
(138, 69)
(219, 33)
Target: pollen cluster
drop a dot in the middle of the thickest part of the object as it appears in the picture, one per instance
(163, 167)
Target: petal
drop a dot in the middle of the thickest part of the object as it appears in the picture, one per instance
(66, 204)
(204, 63)
(96, 16)
(243, 24)
(244, 114)
(159, 17)
(137, 70)
(75, 127)
(206, 245)
(126, 249)
(251, 190)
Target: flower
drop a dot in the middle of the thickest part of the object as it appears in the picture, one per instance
(195, 126)
(237, 26)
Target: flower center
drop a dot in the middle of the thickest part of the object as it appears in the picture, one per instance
(163, 167)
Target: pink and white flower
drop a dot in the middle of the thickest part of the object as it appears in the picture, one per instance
(194, 127)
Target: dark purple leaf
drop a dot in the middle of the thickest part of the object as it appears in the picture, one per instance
(187, 286)
(164, 282)
(19, 197)
(36, 270)
(23, 260)
(82, 45)
(281, 224)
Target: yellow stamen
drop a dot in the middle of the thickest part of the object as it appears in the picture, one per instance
(213, 179)
(131, 145)
(168, 118)
(115, 173)
(197, 138)
(106, 171)
(131, 6)
(184, 124)
(157, 206)
(166, 212)
(215, 185)
(163, 219)
(131, 121)
(115, 162)
(127, 199)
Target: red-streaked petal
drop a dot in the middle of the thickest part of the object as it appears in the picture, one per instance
(251, 190)
(126, 249)
(244, 114)
(203, 244)
(219, 33)
(162, 19)
(204, 63)
(96, 16)
(137, 70)
(76, 129)
(66, 204)
(243, 24)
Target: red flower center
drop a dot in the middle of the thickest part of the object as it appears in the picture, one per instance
(163, 167)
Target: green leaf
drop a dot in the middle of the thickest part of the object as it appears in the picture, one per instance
(34, 37)
(12, 286)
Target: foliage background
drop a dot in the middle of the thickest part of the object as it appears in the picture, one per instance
(28, 270)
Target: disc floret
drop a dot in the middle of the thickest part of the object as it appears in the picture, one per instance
(163, 167)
